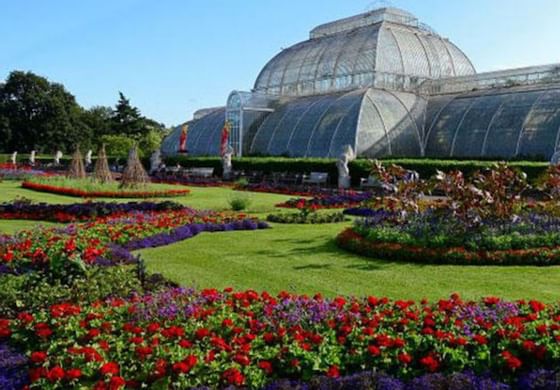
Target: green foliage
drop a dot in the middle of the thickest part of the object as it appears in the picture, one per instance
(239, 202)
(37, 114)
(32, 291)
(309, 218)
(117, 145)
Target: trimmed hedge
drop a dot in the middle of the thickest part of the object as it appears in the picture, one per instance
(359, 168)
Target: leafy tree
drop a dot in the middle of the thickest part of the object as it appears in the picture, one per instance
(127, 120)
(117, 145)
(98, 119)
(41, 115)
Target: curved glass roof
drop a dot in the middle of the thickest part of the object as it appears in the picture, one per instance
(362, 51)
(373, 121)
(203, 137)
(505, 123)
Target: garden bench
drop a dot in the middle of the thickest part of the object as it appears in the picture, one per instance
(201, 172)
(316, 178)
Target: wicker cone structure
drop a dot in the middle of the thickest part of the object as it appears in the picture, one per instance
(77, 169)
(101, 171)
(134, 173)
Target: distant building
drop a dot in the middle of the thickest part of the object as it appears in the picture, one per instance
(387, 85)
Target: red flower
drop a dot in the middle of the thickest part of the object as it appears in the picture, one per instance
(374, 351)
(73, 373)
(38, 357)
(480, 339)
(333, 372)
(116, 383)
(266, 366)
(202, 333)
(512, 362)
(242, 359)
(233, 377)
(42, 330)
(430, 363)
(405, 358)
(110, 368)
(55, 374)
(8, 256)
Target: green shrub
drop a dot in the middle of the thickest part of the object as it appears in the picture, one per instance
(239, 202)
(359, 168)
(32, 291)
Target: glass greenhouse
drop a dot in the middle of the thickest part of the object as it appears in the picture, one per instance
(385, 84)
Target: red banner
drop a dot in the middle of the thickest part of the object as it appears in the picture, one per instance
(225, 137)
(183, 138)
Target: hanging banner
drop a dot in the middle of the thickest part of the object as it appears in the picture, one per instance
(225, 137)
(183, 139)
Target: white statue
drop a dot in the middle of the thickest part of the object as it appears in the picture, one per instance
(342, 165)
(226, 162)
(32, 158)
(58, 155)
(14, 158)
(88, 158)
(155, 161)
(555, 159)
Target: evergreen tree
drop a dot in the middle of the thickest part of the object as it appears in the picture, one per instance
(127, 120)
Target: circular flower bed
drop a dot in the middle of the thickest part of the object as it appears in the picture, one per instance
(89, 189)
(429, 237)
(302, 218)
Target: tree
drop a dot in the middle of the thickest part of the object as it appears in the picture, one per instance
(117, 145)
(98, 119)
(127, 120)
(41, 115)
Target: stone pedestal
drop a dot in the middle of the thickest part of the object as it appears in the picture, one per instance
(344, 182)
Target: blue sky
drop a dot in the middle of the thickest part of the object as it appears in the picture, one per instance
(171, 57)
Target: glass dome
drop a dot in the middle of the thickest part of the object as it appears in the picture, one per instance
(386, 48)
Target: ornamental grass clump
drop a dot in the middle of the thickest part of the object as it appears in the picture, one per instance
(101, 172)
(77, 169)
(134, 174)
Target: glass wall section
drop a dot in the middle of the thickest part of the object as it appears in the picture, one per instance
(501, 140)
(540, 131)
(504, 123)
(203, 137)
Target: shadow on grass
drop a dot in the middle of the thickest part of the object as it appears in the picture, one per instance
(312, 267)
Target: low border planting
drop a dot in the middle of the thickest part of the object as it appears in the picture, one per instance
(76, 192)
(357, 243)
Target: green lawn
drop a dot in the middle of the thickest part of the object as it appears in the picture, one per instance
(304, 259)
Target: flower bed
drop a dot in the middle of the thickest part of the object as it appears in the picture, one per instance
(301, 218)
(77, 211)
(19, 172)
(183, 338)
(284, 189)
(61, 251)
(340, 200)
(120, 193)
(434, 236)
(355, 242)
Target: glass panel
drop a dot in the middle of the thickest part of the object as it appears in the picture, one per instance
(470, 137)
(320, 142)
(443, 131)
(297, 146)
(504, 132)
(372, 140)
(541, 127)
